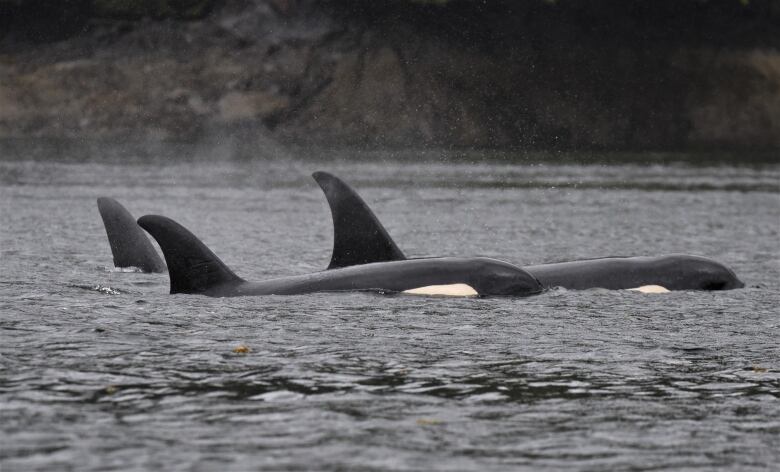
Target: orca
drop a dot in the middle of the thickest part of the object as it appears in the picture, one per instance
(358, 236)
(194, 269)
(670, 272)
(129, 244)
(351, 215)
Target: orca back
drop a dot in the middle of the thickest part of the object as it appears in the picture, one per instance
(358, 236)
(192, 267)
(129, 245)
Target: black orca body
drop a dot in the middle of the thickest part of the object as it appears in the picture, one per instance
(672, 272)
(194, 269)
(129, 244)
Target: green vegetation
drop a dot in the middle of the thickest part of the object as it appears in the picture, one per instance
(133, 9)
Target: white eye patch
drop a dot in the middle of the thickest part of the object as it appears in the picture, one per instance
(451, 290)
(650, 289)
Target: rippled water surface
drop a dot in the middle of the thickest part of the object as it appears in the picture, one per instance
(104, 370)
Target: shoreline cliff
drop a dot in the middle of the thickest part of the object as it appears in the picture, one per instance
(541, 75)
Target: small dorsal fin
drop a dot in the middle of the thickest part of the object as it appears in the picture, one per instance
(129, 245)
(358, 236)
(192, 267)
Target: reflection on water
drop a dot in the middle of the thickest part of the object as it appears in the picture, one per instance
(102, 369)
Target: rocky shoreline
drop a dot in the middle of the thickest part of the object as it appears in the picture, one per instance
(417, 75)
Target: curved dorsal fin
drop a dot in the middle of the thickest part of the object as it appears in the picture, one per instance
(358, 236)
(129, 244)
(192, 267)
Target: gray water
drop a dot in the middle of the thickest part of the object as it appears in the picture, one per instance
(102, 369)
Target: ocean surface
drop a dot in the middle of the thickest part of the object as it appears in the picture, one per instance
(102, 369)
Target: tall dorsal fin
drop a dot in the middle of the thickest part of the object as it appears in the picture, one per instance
(358, 236)
(192, 267)
(129, 245)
